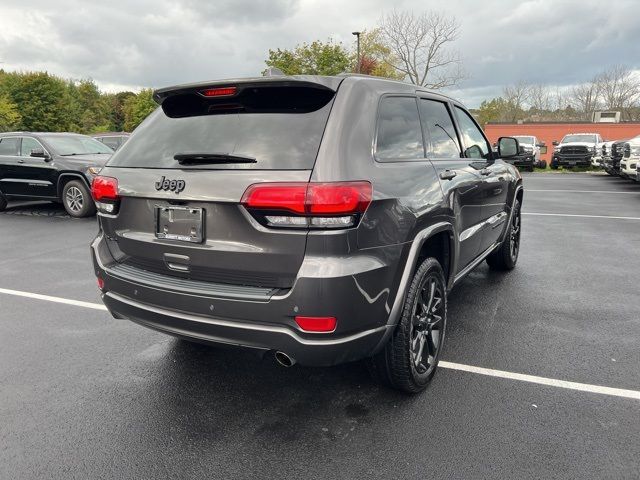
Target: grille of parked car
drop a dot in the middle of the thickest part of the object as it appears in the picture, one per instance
(574, 150)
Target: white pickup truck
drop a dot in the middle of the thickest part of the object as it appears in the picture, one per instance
(577, 150)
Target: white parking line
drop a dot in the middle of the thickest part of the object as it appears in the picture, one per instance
(584, 191)
(552, 382)
(580, 216)
(48, 298)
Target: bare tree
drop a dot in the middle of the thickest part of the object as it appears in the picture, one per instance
(516, 97)
(585, 98)
(420, 45)
(540, 97)
(619, 88)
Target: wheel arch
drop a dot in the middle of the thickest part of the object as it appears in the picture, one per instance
(425, 241)
(66, 177)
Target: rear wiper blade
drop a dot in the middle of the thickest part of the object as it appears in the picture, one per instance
(198, 158)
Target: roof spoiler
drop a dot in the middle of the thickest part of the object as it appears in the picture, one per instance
(330, 84)
(261, 95)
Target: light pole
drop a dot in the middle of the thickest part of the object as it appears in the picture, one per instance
(357, 34)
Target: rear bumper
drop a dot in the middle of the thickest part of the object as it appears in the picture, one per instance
(360, 297)
(259, 336)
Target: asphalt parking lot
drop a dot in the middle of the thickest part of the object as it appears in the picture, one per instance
(85, 396)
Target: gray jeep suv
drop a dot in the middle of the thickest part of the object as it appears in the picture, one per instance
(321, 219)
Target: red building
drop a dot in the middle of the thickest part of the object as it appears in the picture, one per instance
(548, 132)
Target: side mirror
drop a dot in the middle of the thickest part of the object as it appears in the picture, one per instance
(555, 143)
(508, 147)
(40, 153)
(540, 145)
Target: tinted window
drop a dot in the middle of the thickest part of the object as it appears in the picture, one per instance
(475, 144)
(438, 127)
(28, 144)
(281, 130)
(9, 146)
(399, 136)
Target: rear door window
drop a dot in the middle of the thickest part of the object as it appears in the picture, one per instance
(9, 146)
(438, 128)
(398, 133)
(281, 128)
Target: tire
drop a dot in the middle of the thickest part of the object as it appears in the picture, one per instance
(77, 200)
(554, 166)
(530, 168)
(542, 164)
(421, 330)
(505, 256)
(3, 203)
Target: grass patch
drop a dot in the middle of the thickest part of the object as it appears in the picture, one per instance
(561, 170)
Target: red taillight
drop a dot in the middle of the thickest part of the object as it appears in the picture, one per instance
(104, 188)
(338, 198)
(100, 283)
(218, 92)
(317, 324)
(274, 196)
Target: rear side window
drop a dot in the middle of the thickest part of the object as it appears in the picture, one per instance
(281, 128)
(399, 136)
(9, 146)
(438, 126)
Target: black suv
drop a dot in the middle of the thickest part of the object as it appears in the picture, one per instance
(51, 166)
(322, 219)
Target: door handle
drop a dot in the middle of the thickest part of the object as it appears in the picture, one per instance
(20, 161)
(484, 171)
(448, 174)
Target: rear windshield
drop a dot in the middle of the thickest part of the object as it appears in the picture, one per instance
(283, 138)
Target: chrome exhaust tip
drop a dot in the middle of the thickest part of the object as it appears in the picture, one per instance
(284, 359)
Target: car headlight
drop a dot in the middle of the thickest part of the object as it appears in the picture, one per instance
(556, 149)
(93, 170)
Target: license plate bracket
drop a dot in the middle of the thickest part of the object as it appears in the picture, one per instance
(185, 224)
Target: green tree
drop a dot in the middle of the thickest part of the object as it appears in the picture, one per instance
(375, 57)
(88, 107)
(137, 108)
(115, 103)
(492, 111)
(315, 58)
(42, 100)
(9, 115)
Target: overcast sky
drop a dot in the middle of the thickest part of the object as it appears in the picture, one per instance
(128, 44)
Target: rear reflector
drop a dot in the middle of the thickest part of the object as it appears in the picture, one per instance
(218, 92)
(337, 198)
(317, 324)
(100, 283)
(104, 188)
